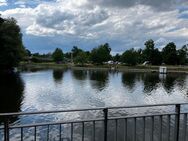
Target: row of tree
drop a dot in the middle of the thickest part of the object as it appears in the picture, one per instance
(168, 55)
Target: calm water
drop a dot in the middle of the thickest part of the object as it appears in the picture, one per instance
(73, 89)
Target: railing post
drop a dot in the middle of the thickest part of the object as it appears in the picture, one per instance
(105, 123)
(6, 129)
(178, 106)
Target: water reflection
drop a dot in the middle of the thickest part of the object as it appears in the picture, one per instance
(150, 81)
(12, 87)
(128, 79)
(79, 74)
(58, 75)
(99, 79)
(170, 81)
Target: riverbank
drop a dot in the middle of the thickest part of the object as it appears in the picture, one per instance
(139, 68)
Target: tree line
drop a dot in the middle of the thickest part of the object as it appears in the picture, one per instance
(169, 55)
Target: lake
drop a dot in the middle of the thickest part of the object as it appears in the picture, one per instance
(42, 90)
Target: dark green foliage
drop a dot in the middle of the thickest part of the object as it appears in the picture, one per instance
(151, 54)
(81, 58)
(116, 58)
(101, 54)
(182, 55)
(58, 55)
(11, 47)
(75, 50)
(28, 52)
(157, 57)
(169, 54)
(140, 58)
(130, 57)
(148, 51)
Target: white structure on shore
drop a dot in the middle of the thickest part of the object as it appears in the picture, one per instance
(162, 69)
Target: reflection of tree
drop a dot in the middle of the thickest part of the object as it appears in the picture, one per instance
(150, 81)
(58, 75)
(79, 74)
(169, 82)
(12, 87)
(128, 79)
(100, 79)
(181, 80)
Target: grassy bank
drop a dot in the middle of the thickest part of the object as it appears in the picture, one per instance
(139, 68)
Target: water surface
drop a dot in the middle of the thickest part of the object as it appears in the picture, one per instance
(43, 90)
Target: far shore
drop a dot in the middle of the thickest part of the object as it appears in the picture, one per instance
(123, 68)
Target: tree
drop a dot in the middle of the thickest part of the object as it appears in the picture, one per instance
(101, 54)
(130, 57)
(11, 46)
(151, 54)
(81, 58)
(116, 58)
(156, 57)
(75, 50)
(58, 55)
(182, 55)
(28, 52)
(148, 51)
(169, 54)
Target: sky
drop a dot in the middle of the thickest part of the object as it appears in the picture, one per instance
(124, 24)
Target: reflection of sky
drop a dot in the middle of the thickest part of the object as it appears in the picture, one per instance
(43, 93)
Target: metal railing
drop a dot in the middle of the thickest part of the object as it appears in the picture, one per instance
(143, 126)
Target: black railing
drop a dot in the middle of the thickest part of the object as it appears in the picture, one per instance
(140, 126)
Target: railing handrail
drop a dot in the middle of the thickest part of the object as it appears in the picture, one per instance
(89, 109)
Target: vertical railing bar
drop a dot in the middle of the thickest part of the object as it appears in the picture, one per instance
(125, 130)
(60, 132)
(6, 129)
(144, 131)
(116, 130)
(48, 128)
(82, 131)
(177, 122)
(152, 128)
(168, 124)
(21, 134)
(71, 131)
(185, 126)
(160, 127)
(93, 130)
(35, 133)
(134, 130)
(105, 123)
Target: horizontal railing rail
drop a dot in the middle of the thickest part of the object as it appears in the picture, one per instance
(89, 109)
(176, 116)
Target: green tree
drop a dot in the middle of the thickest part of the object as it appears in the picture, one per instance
(130, 57)
(148, 51)
(116, 58)
(28, 52)
(101, 54)
(11, 46)
(182, 55)
(58, 55)
(157, 57)
(151, 54)
(81, 58)
(169, 54)
(75, 50)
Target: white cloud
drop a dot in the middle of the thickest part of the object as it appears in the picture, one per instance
(3, 3)
(128, 27)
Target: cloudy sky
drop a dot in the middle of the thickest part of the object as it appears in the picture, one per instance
(124, 24)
